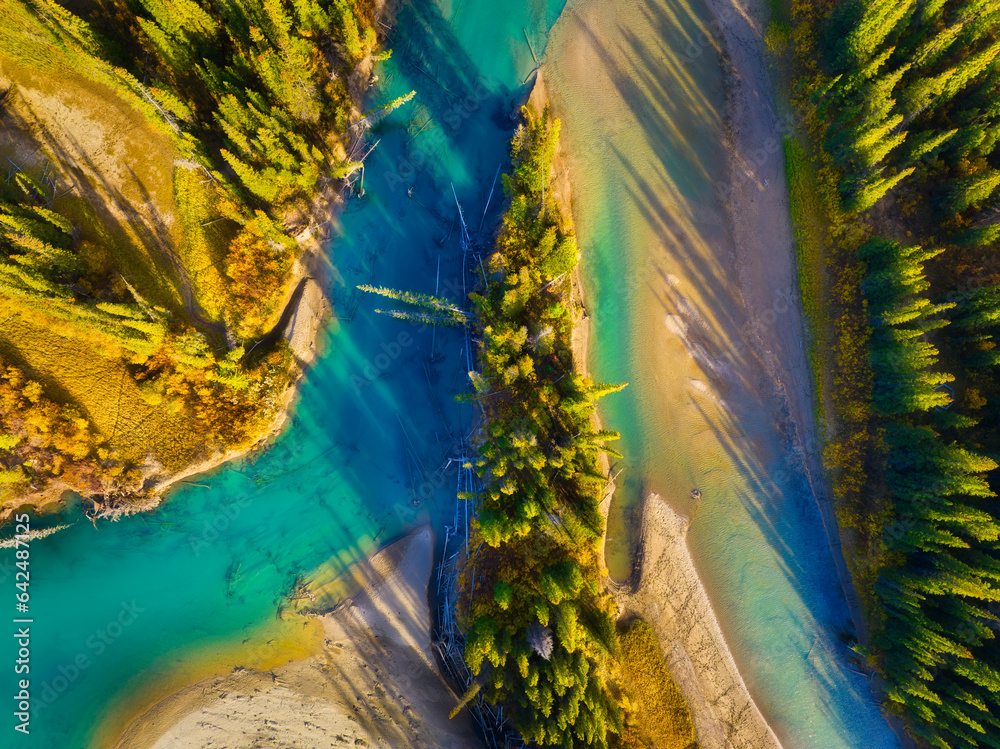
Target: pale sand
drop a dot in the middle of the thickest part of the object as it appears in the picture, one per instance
(670, 595)
(374, 684)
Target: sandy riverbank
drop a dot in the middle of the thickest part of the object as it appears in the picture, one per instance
(670, 595)
(374, 683)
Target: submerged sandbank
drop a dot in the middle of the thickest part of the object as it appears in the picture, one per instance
(374, 683)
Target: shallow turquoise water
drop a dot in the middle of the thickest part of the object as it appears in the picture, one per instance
(124, 606)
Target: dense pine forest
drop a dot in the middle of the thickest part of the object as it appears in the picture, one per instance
(245, 113)
(901, 101)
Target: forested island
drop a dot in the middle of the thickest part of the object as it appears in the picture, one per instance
(541, 629)
(896, 197)
(537, 613)
(168, 168)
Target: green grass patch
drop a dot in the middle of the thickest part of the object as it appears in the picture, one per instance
(206, 238)
(810, 254)
(662, 718)
(24, 38)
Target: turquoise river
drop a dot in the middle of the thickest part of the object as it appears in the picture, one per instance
(125, 613)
